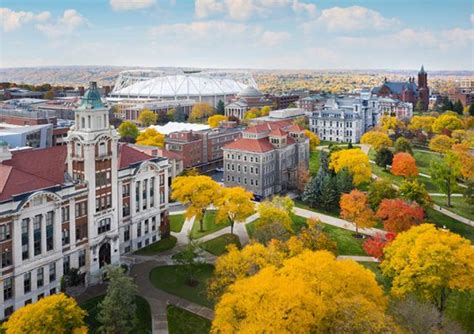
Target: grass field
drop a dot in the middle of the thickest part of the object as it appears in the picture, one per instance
(217, 246)
(458, 205)
(460, 307)
(172, 279)
(158, 247)
(143, 315)
(183, 322)
(209, 223)
(382, 280)
(423, 160)
(314, 162)
(397, 180)
(453, 225)
(176, 222)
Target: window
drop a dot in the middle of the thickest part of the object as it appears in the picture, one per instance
(103, 226)
(126, 234)
(152, 190)
(137, 196)
(49, 230)
(39, 277)
(81, 209)
(6, 259)
(153, 223)
(125, 210)
(102, 149)
(40, 296)
(52, 291)
(65, 236)
(52, 272)
(37, 234)
(7, 288)
(27, 282)
(82, 258)
(65, 214)
(144, 191)
(66, 264)
(146, 226)
(5, 232)
(139, 229)
(126, 190)
(24, 238)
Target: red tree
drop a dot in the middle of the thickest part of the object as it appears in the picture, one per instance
(374, 246)
(398, 215)
(404, 165)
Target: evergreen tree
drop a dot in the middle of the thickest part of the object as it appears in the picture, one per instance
(458, 108)
(403, 145)
(384, 157)
(179, 115)
(349, 146)
(471, 109)
(446, 104)
(344, 182)
(328, 193)
(117, 310)
(220, 108)
(312, 191)
(324, 161)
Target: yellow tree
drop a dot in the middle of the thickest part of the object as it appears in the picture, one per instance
(312, 293)
(128, 130)
(376, 139)
(53, 314)
(391, 123)
(429, 263)
(200, 111)
(252, 113)
(441, 143)
(272, 213)
(356, 162)
(447, 122)
(265, 111)
(214, 120)
(235, 205)
(466, 159)
(151, 137)
(147, 118)
(424, 123)
(355, 208)
(197, 193)
(313, 139)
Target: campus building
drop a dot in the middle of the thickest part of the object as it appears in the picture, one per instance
(247, 99)
(265, 160)
(81, 205)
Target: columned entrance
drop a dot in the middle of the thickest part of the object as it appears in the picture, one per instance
(104, 255)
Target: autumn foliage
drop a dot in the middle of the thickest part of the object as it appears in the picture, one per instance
(355, 208)
(404, 165)
(53, 314)
(376, 139)
(374, 246)
(398, 215)
(355, 161)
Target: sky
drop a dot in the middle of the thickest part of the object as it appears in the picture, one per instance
(267, 34)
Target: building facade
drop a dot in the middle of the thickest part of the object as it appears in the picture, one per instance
(345, 118)
(81, 205)
(265, 160)
(391, 107)
(247, 99)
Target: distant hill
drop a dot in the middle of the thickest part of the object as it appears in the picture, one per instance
(106, 75)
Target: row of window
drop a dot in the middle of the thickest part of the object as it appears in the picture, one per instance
(142, 198)
(37, 222)
(243, 157)
(252, 170)
(238, 180)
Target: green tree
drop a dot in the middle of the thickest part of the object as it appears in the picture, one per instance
(188, 258)
(471, 109)
(419, 106)
(128, 131)
(384, 157)
(49, 95)
(344, 182)
(329, 196)
(444, 174)
(403, 145)
(220, 107)
(414, 191)
(458, 107)
(379, 190)
(117, 310)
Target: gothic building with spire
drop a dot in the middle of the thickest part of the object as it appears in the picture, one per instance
(80, 206)
(407, 91)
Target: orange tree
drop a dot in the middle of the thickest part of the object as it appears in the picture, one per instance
(398, 215)
(404, 164)
(355, 208)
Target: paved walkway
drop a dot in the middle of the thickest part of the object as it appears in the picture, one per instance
(358, 258)
(453, 215)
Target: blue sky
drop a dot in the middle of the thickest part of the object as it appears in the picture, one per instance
(285, 34)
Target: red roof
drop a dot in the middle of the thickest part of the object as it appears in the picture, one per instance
(278, 133)
(251, 145)
(129, 155)
(295, 128)
(268, 126)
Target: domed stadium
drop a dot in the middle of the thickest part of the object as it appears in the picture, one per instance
(200, 86)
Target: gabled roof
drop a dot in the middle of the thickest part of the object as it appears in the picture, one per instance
(295, 128)
(251, 145)
(278, 133)
(129, 155)
(267, 126)
(397, 87)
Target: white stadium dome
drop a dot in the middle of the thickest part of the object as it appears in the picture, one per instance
(201, 86)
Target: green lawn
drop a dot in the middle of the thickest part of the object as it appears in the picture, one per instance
(158, 247)
(346, 243)
(397, 180)
(460, 307)
(314, 162)
(218, 245)
(172, 279)
(183, 322)
(458, 205)
(300, 204)
(381, 279)
(176, 222)
(423, 160)
(143, 314)
(453, 225)
(210, 225)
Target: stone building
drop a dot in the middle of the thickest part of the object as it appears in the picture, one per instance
(265, 160)
(247, 99)
(81, 205)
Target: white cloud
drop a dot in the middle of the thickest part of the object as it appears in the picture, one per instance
(64, 25)
(12, 20)
(244, 9)
(131, 4)
(354, 18)
(472, 18)
(274, 38)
